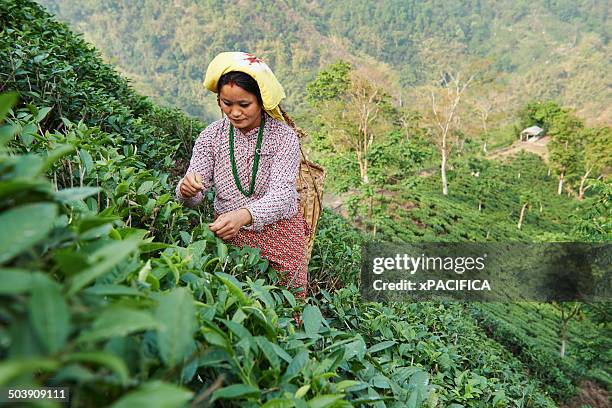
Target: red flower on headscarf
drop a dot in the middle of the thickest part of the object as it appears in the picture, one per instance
(252, 59)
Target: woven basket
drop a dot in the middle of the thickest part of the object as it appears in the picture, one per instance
(310, 182)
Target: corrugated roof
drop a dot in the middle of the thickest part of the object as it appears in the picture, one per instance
(533, 130)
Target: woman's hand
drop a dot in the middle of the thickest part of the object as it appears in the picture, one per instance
(192, 183)
(227, 225)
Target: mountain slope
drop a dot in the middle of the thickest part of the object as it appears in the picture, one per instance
(541, 49)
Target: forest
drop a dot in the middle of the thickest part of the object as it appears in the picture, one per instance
(114, 289)
(164, 47)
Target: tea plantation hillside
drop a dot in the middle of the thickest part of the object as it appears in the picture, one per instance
(113, 289)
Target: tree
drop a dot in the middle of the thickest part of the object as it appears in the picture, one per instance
(329, 84)
(526, 200)
(564, 145)
(595, 157)
(352, 109)
(487, 101)
(444, 118)
(593, 222)
(569, 311)
(539, 113)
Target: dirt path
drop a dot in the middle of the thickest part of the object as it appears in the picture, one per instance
(590, 395)
(538, 147)
(335, 202)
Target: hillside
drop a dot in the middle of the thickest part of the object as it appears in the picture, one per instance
(536, 50)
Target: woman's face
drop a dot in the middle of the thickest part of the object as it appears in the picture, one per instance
(240, 106)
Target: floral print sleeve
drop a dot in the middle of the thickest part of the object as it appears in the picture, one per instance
(202, 163)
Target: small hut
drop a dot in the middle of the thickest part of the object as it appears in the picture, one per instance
(531, 134)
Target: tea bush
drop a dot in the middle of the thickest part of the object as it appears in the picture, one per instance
(92, 303)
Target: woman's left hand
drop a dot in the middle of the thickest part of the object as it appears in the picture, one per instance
(227, 225)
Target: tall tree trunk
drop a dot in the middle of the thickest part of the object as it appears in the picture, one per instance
(486, 132)
(443, 174)
(562, 348)
(561, 179)
(583, 180)
(522, 216)
(566, 316)
(563, 336)
(362, 168)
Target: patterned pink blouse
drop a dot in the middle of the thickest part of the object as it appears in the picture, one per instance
(275, 196)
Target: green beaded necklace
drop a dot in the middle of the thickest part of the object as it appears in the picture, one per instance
(255, 160)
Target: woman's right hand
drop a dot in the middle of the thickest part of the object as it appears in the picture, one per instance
(192, 183)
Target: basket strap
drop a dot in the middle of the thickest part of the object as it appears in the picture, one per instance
(301, 134)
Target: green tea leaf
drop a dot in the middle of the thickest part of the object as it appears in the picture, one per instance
(112, 290)
(42, 113)
(215, 338)
(355, 348)
(119, 321)
(343, 385)
(324, 401)
(56, 154)
(102, 358)
(289, 296)
(418, 382)
(380, 381)
(23, 227)
(281, 353)
(27, 135)
(11, 369)
(235, 391)
(29, 166)
(238, 330)
(234, 287)
(221, 251)
(153, 246)
(40, 57)
(302, 391)
(145, 187)
(7, 132)
(77, 193)
(10, 187)
(15, 281)
(86, 159)
(268, 349)
(295, 366)
(111, 255)
(49, 313)
(381, 346)
(176, 315)
(7, 101)
(186, 237)
(155, 394)
(312, 319)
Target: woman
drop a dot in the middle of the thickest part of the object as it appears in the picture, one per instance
(252, 157)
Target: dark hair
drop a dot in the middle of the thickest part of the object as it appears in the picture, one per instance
(244, 81)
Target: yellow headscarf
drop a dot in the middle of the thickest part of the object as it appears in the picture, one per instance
(271, 90)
